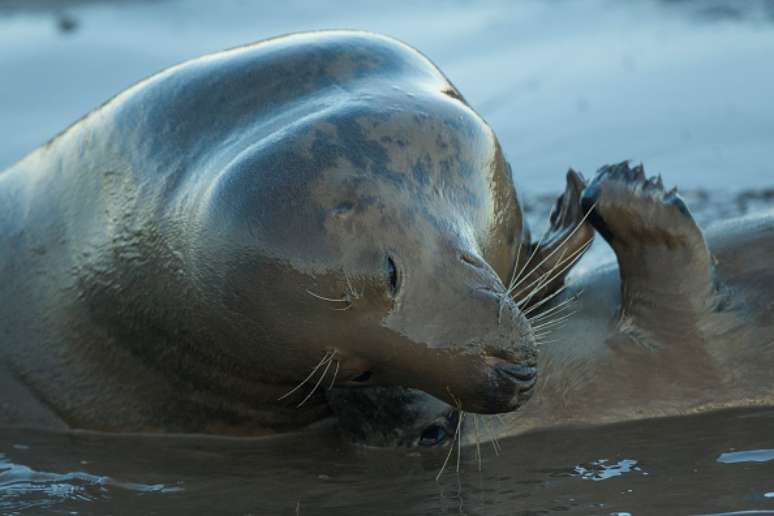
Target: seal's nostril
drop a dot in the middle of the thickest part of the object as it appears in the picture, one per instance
(521, 373)
(392, 276)
(471, 260)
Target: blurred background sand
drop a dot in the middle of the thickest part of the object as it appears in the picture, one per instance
(685, 87)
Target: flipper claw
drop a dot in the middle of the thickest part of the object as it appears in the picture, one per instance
(663, 259)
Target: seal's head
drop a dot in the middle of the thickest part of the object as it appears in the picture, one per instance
(391, 416)
(369, 217)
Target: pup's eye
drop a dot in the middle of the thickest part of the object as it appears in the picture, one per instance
(393, 280)
(362, 377)
(433, 435)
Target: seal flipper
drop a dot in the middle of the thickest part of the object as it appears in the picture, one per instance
(542, 270)
(665, 265)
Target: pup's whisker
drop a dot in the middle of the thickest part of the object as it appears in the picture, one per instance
(317, 385)
(494, 441)
(326, 358)
(457, 437)
(335, 374)
(478, 443)
(445, 462)
(458, 434)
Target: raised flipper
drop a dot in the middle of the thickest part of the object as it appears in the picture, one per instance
(665, 265)
(541, 268)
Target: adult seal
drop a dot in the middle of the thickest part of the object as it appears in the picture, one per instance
(215, 246)
(679, 323)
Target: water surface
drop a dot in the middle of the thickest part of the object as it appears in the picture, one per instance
(669, 466)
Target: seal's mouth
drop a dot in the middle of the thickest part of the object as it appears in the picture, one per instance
(516, 379)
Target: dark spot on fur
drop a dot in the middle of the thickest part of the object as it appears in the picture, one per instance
(453, 93)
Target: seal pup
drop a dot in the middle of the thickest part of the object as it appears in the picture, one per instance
(680, 323)
(216, 245)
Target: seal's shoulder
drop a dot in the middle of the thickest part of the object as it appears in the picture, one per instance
(296, 66)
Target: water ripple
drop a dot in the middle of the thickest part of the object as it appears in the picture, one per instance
(22, 487)
(761, 455)
(602, 470)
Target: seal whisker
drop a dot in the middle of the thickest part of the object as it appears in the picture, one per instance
(555, 325)
(494, 441)
(351, 292)
(554, 322)
(344, 299)
(458, 434)
(548, 329)
(567, 262)
(507, 292)
(457, 437)
(542, 276)
(558, 308)
(513, 283)
(335, 374)
(328, 356)
(563, 310)
(541, 280)
(516, 269)
(544, 301)
(478, 443)
(445, 462)
(319, 381)
(563, 242)
(541, 342)
(526, 264)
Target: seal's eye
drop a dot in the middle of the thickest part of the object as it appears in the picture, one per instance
(433, 435)
(392, 277)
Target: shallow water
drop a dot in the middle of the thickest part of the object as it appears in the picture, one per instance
(714, 464)
(683, 86)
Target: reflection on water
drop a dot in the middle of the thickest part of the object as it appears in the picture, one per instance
(602, 470)
(668, 466)
(23, 488)
(746, 456)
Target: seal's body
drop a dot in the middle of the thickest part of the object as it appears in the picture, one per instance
(311, 210)
(677, 325)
